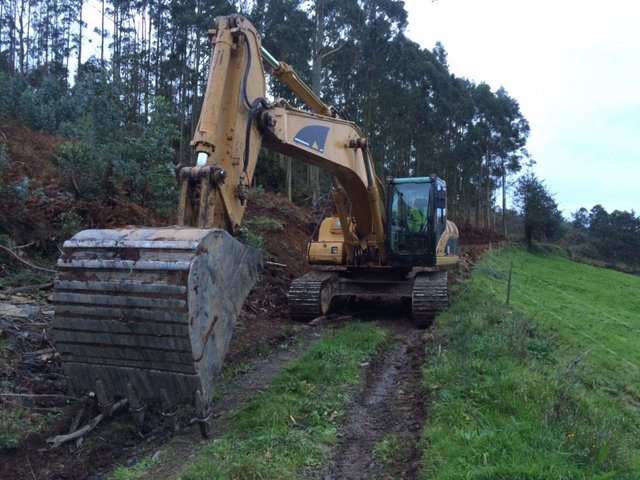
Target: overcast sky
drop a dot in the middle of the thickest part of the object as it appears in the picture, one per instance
(574, 67)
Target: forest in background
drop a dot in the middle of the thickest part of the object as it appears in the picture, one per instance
(149, 72)
(123, 118)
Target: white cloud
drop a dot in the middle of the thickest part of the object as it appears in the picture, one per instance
(573, 67)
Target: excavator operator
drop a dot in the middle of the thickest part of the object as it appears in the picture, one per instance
(418, 215)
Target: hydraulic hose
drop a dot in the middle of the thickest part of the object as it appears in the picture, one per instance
(254, 109)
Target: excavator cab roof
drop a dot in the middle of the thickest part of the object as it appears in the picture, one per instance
(394, 180)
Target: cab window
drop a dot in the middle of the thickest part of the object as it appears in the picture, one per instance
(409, 217)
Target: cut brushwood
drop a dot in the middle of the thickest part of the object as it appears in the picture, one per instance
(27, 263)
(58, 440)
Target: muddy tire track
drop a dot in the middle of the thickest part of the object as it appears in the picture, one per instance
(381, 436)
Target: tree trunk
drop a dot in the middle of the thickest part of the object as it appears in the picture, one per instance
(102, 36)
(1, 23)
(504, 201)
(182, 115)
(478, 197)
(159, 35)
(316, 78)
(115, 56)
(197, 54)
(12, 39)
(487, 190)
(147, 73)
(288, 162)
(80, 27)
(22, 37)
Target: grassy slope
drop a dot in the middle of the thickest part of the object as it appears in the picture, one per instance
(548, 390)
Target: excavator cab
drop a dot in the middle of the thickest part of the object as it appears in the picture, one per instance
(417, 211)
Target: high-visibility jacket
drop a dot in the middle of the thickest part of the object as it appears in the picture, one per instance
(416, 220)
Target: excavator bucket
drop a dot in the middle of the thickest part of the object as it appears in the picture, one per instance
(147, 314)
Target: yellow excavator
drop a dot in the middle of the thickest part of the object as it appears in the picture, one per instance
(147, 314)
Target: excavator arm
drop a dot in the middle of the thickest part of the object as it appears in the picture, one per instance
(148, 313)
(236, 120)
(338, 147)
(226, 140)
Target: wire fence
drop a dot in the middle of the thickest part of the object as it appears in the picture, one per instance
(569, 323)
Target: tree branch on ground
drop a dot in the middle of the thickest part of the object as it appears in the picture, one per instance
(27, 263)
(58, 440)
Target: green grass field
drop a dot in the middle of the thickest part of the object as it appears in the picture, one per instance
(596, 309)
(547, 390)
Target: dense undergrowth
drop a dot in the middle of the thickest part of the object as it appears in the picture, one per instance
(546, 389)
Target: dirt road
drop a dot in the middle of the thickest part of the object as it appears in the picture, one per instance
(381, 438)
(388, 407)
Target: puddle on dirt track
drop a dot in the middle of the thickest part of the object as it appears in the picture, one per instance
(387, 412)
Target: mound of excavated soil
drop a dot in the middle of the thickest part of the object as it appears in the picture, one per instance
(46, 190)
(264, 320)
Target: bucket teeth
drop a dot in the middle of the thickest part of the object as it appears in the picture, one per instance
(137, 407)
(169, 411)
(203, 413)
(105, 400)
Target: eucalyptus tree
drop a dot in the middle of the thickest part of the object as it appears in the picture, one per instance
(363, 76)
(418, 117)
(332, 30)
(512, 133)
(539, 210)
(501, 132)
(287, 33)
